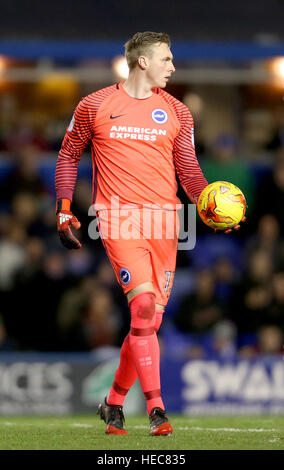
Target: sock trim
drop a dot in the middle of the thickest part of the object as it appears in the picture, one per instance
(152, 394)
(142, 331)
(120, 390)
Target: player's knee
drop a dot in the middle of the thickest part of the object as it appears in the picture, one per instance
(146, 307)
(142, 307)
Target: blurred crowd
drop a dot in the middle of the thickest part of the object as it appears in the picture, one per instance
(228, 295)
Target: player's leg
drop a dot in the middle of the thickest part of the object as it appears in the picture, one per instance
(140, 353)
(159, 424)
(131, 262)
(144, 346)
(163, 255)
(143, 333)
(145, 351)
(164, 266)
(140, 356)
(126, 373)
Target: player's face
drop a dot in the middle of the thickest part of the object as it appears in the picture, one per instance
(160, 65)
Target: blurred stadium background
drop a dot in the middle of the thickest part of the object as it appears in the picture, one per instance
(62, 315)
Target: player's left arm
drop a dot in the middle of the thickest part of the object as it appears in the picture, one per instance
(187, 166)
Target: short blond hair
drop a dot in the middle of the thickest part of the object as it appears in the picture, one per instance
(140, 43)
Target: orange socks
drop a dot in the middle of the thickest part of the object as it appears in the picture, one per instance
(140, 354)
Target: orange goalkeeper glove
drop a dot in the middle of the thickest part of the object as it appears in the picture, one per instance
(66, 220)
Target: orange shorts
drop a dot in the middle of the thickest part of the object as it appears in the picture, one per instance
(142, 247)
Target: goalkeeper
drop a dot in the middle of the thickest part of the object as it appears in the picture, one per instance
(140, 136)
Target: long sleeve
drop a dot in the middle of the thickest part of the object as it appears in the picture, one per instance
(186, 163)
(77, 137)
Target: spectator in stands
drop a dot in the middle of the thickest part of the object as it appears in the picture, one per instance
(99, 320)
(275, 310)
(270, 340)
(224, 339)
(6, 343)
(276, 140)
(12, 251)
(80, 263)
(224, 162)
(226, 278)
(26, 130)
(69, 314)
(35, 251)
(32, 214)
(259, 268)
(87, 317)
(37, 291)
(267, 341)
(252, 295)
(201, 310)
(267, 238)
(25, 210)
(24, 175)
(270, 194)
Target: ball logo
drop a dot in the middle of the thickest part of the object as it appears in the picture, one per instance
(159, 116)
(125, 276)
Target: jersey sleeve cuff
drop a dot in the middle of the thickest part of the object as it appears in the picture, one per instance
(63, 205)
(64, 194)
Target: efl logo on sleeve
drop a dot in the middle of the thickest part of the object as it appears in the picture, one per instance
(71, 125)
(159, 116)
(192, 136)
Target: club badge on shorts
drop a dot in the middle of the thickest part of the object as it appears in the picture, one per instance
(125, 276)
(159, 116)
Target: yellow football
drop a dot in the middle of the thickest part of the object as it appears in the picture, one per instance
(221, 205)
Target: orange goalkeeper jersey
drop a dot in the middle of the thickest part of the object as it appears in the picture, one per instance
(137, 144)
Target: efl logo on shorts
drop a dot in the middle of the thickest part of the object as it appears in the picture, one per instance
(159, 116)
(125, 276)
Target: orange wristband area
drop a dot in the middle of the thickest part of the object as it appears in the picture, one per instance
(63, 205)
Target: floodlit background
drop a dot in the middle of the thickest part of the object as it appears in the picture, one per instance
(228, 298)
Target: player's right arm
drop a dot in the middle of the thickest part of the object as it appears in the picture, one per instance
(77, 137)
